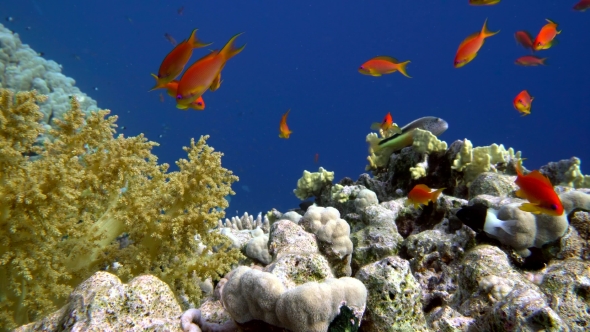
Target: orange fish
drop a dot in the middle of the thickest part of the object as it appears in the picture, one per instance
(524, 38)
(483, 2)
(530, 60)
(538, 190)
(470, 46)
(216, 83)
(582, 5)
(200, 75)
(385, 124)
(421, 194)
(382, 65)
(316, 158)
(523, 102)
(283, 128)
(198, 104)
(546, 36)
(175, 61)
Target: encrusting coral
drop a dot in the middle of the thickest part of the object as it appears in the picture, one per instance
(84, 200)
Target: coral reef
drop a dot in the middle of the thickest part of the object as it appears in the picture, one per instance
(22, 69)
(88, 200)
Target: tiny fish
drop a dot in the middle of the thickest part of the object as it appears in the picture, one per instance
(180, 10)
(468, 49)
(582, 5)
(530, 60)
(483, 2)
(382, 65)
(283, 128)
(170, 39)
(523, 102)
(546, 37)
(524, 38)
(422, 194)
(316, 158)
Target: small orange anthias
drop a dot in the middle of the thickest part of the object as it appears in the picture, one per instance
(284, 131)
(523, 102)
(524, 38)
(421, 194)
(385, 124)
(546, 36)
(198, 104)
(204, 73)
(538, 190)
(175, 61)
(530, 60)
(468, 49)
(382, 65)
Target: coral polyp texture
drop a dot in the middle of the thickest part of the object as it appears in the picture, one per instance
(81, 199)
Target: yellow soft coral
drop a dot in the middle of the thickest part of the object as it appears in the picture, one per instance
(86, 200)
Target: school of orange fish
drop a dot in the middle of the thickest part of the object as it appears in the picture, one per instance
(205, 74)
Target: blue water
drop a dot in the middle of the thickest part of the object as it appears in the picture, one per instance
(304, 55)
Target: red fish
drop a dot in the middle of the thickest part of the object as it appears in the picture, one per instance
(385, 124)
(483, 2)
(530, 60)
(546, 36)
(523, 102)
(283, 128)
(200, 75)
(175, 61)
(422, 194)
(316, 158)
(582, 5)
(382, 65)
(198, 104)
(524, 38)
(470, 46)
(538, 190)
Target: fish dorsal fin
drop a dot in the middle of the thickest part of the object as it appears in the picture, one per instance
(423, 187)
(537, 175)
(386, 58)
(469, 38)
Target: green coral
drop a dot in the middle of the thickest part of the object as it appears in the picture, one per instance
(90, 201)
(474, 161)
(311, 184)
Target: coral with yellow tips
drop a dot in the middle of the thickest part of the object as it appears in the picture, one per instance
(86, 200)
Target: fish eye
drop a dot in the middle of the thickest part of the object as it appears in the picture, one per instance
(200, 104)
(178, 96)
(553, 206)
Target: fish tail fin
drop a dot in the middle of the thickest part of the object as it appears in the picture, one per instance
(485, 32)
(195, 42)
(159, 84)
(402, 68)
(230, 49)
(437, 193)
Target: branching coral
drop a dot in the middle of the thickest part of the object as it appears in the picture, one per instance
(86, 200)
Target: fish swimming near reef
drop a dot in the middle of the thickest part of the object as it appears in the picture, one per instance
(538, 190)
(435, 125)
(422, 194)
(530, 60)
(523, 102)
(384, 125)
(468, 49)
(198, 104)
(199, 77)
(284, 131)
(525, 39)
(382, 65)
(174, 62)
(582, 5)
(483, 2)
(546, 37)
